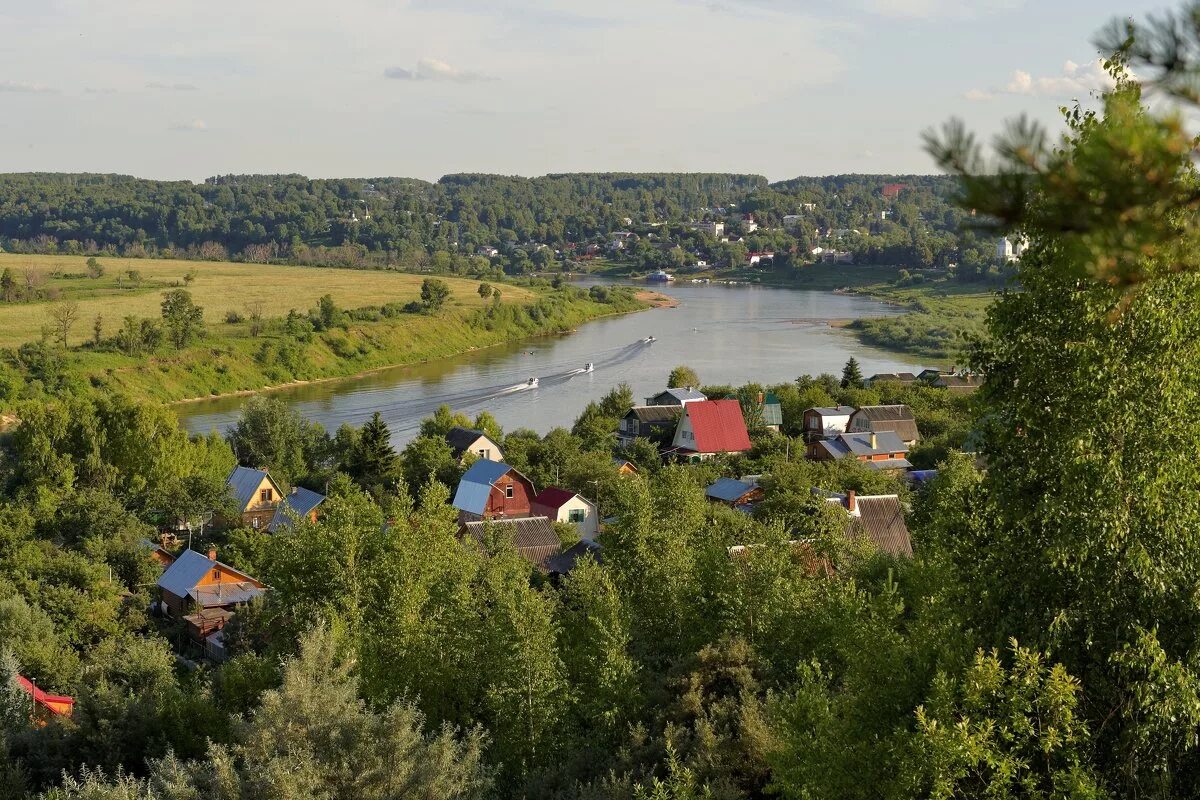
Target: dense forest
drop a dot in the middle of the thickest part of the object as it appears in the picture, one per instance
(411, 223)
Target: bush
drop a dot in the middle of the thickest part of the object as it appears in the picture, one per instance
(233, 317)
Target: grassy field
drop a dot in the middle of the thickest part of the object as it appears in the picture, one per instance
(942, 320)
(218, 287)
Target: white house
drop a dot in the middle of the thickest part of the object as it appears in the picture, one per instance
(1010, 249)
(713, 229)
(563, 505)
(467, 440)
(826, 421)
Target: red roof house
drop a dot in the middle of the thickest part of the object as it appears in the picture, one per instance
(893, 190)
(46, 704)
(709, 427)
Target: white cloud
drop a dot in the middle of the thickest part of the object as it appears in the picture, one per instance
(195, 126)
(431, 69)
(976, 95)
(171, 87)
(29, 88)
(1075, 80)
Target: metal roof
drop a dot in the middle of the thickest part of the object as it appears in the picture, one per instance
(555, 497)
(682, 394)
(299, 504)
(476, 484)
(244, 481)
(460, 438)
(652, 414)
(891, 463)
(859, 444)
(729, 489)
(564, 562)
(831, 411)
(718, 426)
(189, 569)
(534, 537)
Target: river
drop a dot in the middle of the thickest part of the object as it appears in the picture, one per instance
(728, 334)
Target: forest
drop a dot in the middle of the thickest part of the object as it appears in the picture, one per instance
(1043, 640)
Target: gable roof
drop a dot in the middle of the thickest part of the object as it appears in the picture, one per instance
(564, 562)
(729, 489)
(832, 411)
(190, 567)
(534, 537)
(892, 377)
(244, 481)
(477, 482)
(620, 463)
(652, 414)
(555, 497)
(859, 444)
(299, 504)
(683, 394)
(54, 703)
(881, 519)
(897, 418)
(718, 426)
(461, 438)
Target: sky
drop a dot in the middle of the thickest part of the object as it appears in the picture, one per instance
(185, 89)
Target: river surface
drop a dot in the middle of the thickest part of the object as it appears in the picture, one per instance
(728, 334)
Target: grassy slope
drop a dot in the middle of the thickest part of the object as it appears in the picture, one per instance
(219, 287)
(228, 359)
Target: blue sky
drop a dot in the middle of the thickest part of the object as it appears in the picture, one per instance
(191, 88)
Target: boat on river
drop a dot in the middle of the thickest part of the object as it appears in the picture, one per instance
(660, 277)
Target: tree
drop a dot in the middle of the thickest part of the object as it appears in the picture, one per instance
(135, 277)
(183, 319)
(434, 293)
(64, 316)
(485, 290)
(254, 313)
(189, 277)
(852, 375)
(373, 463)
(682, 377)
(97, 330)
(272, 434)
(8, 285)
(94, 268)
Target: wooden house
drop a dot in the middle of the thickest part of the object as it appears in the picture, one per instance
(878, 518)
(300, 504)
(710, 427)
(468, 440)
(534, 537)
(255, 495)
(676, 397)
(649, 422)
(825, 421)
(882, 451)
(491, 490)
(563, 505)
(734, 493)
(896, 419)
(45, 706)
(198, 581)
(625, 468)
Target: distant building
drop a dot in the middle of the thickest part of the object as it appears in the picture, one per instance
(563, 505)
(712, 229)
(878, 518)
(826, 421)
(649, 422)
(1010, 249)
(881, 451)
(892, 190)
(533, 537)
(756, 257)
(711, 427)
(904, 378)
(468, 440)
(791, 221)
(734, 493)
(45, 705)
(488, 252)
(625, 468)
(676, 397)
(749, 223)
(896, 419)
(568, 559)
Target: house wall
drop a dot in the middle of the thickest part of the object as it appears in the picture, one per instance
(590, 526)
(258, 513)
(685, 436)
(500, 505)
(485, 448)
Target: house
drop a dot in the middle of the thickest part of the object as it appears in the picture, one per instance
(892, 190)
(905, 378)
(790, 221)
(749, 223)
(931, 375)
(649, 422)
(534, 537)
(879, 518)
(625, 468)
(45, 706)
(563, 505)
(709, 427)
(564, 562)
(492, 489)
(488, 252)
(734, 493)
(767, 412)
(897, 419)
(959, 384)
(713, 229)
(255, 495)
(200, 581)
(676, 397)
(157, 553)
(1010, 249)
(881, 451)
(755, 257)
(300, 504)
(468, 440)
(826, 421)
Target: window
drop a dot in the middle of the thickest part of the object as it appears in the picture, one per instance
(254, 522)
(485, 454)
(217, 575)
(508, 491)
(576, 515)
(266, 495)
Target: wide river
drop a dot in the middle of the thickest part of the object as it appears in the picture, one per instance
(728, 334)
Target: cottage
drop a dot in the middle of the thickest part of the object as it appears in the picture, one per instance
(734, 493)
(649, 422)
(896, 419)
(825, 421)
(563, 505)
(256, 497)
(881, 451)
(625, 468)
(676, 397)
(879, 518)
(301, 504)
(903, 378)
(958, 384)
(468, 440)
(45, 706)
(199, 581)
(709, 427)
(534, 537)
(767, 412)
(492, 489)
(568, 559)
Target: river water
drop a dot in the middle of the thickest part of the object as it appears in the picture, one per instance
(728, 334)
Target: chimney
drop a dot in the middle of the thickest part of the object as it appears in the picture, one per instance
(761, 398)
(851, 501)
(212, 554)
(873, 440)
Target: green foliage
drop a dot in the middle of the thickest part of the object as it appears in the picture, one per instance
(852, 377)
(272, 435)
(681, 377)
(182, 318)
(434, 294)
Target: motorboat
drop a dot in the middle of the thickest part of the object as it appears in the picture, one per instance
(532, 383)
(649, 340)
(589, 367)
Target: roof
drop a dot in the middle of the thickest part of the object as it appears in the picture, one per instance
(729, 489)
(180, 579)
(50, 702)
(718, 426)
(243, 482)
(891, 463)
(833, 411)
(476, 484)
(683, 394)
(881, 519)
(299, 504)
(564, 562)
(461, 438)
(859, 444)
(620, 463)
(534, 537)
(893, 377)
(554, 497)
(897, 418)
(652, 414)
(772, 410)
(968, 382)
